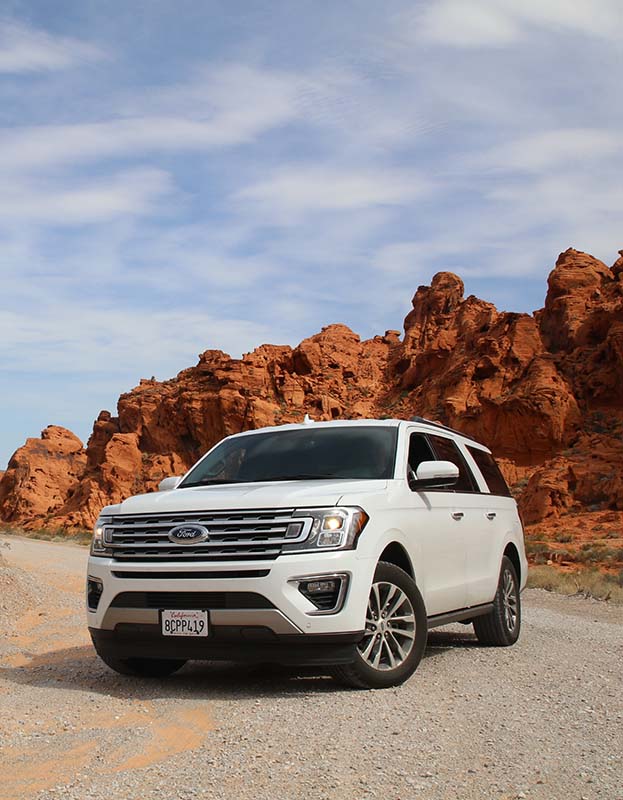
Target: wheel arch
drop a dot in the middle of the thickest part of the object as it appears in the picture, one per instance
(511, 552)
(394, 553)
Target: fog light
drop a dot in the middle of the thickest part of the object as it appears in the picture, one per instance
(94, 591)
(327, 593)
(313, 587)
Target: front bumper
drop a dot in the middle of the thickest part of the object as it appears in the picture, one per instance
(290, 613)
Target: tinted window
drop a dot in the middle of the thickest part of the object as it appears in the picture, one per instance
(311, 453)
(490, 471)
(419, 450)
(446, 450)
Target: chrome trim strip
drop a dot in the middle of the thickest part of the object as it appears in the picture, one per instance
(199, 520)
(114, 616)
(266, 617)
(270, 618)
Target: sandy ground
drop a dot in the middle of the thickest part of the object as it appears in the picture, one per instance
(541, 720)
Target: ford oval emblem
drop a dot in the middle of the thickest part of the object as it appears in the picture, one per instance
(188, 534)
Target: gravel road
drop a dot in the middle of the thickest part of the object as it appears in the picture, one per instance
(541, 720)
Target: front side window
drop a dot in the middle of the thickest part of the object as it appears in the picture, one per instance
(312, 453)
(446, 450)
(419, 451)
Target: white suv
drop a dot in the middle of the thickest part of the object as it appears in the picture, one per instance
(325, 543)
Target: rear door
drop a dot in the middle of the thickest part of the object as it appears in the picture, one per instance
(497, 518)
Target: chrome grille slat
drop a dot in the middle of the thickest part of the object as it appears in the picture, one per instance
(149, 534)
(235, 535)
(234, 524)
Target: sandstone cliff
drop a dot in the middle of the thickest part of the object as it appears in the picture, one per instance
(543, 391)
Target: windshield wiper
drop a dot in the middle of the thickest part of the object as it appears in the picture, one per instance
(299, 476)
(211, 482)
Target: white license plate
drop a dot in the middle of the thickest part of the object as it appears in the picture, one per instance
(184, 623)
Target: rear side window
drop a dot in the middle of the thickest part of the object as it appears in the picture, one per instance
(490, 471)
(446, 450)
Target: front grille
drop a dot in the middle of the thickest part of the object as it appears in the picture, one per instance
(233, 535)
(194, 600)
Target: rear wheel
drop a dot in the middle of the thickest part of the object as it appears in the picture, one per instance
(500, 628)
(395, 635)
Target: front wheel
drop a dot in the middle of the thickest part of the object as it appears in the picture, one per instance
(395, 635)
(501, 626)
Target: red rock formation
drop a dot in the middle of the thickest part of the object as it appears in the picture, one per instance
(41, 476)
(543, 391)
(484, 372)
(587, 476)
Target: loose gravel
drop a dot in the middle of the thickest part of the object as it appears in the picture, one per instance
(540, 720)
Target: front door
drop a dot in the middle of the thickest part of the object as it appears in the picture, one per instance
(437, 536)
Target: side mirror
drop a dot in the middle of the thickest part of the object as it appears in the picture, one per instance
(169, 483)
(434, 475)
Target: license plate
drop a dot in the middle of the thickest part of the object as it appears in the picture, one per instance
(184, 623)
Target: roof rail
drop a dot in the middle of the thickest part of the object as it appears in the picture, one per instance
(442, 427)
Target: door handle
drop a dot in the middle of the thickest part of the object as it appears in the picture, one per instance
(457, 515)
(491, 515)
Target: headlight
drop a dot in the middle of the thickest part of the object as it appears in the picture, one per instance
(331, 529)
(98, 545)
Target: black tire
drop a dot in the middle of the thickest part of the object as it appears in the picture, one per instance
(501, 627)
(407, 635)
(143, 667)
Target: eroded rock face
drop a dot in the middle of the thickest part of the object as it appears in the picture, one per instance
(484, 372)
(543, 391)
(588, 476)
(41, 476)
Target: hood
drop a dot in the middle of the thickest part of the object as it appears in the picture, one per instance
(281, 494)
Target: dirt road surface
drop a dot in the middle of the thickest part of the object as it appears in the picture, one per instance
(541, 720)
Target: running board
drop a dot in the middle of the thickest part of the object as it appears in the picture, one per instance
(459, 616)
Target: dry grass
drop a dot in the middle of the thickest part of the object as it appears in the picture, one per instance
(588, 583)
(48, 534)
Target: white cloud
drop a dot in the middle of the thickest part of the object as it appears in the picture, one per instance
(497, 23)
(88, 201)
(466, 23)
(75, 339)
(403, 258)
(601, 18)
(222, 107)
(295, 191)
(24, 49)
(541, 152)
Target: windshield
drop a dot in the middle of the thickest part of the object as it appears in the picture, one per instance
(303, 454)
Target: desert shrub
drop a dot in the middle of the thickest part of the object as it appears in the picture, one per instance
(588, 583)
(563, 538)
(536, 548)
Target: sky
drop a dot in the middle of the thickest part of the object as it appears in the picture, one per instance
(177, 176)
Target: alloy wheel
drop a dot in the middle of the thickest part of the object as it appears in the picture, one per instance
(390, 627)
(509, 600)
